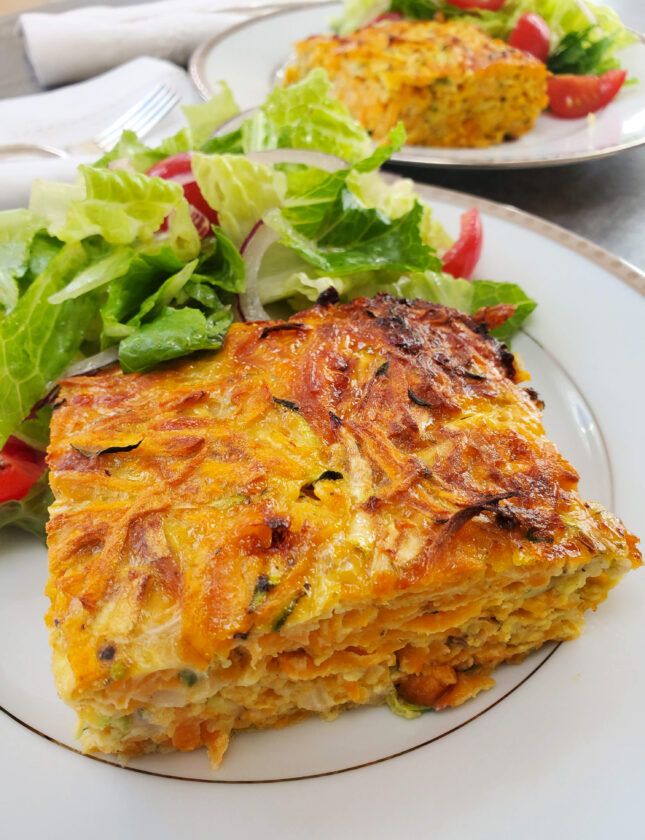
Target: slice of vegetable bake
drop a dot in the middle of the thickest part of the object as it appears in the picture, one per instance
(355, 506)
(449, 83)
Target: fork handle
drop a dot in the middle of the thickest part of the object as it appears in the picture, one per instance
(38, 149)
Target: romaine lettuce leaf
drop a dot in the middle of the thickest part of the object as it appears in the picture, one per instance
(17, 231)
(205, 117)
(239, 189)
(114, 265)
(133, 154)
(433, 286)
(146, 272)
(328, 225)
(395, 198)
(51, 200)
(43, 250)
(39, 339)
(306, 115)
(224, 144)
(221, 265)
(359, 239)
(160, 299)
(357, 13)
(183, 238)
(173, 333)
(155, 280)
(120, 206)
(490, 293)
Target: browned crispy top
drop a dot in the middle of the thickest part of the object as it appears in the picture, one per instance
(344, 456)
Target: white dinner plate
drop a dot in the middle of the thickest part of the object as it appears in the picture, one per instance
(554, 750)
(250, 57)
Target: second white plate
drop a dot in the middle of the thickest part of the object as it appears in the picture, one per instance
(250, 55)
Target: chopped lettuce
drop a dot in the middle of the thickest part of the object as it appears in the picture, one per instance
(17, 231)
(395, 199)
(206, 116)
(357, 13)
(161, 298)
(133, 154)
(359, 239)
(221, 264)
(491, 293)
(305, 115)
(118, 205)
(103, 271)
(173, 333)
(155, 322)
(125, 294)
(403, 709)
(38, 339)
(239, 189)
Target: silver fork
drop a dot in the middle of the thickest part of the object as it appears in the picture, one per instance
(141, 118)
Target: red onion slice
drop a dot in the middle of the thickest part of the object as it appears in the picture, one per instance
(255, 247)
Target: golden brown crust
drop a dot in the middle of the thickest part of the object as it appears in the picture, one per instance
(448, 82)
(369, 449)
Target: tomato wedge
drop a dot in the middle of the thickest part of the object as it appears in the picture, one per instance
(532, 35)
(488, 5)
(462, 258)
(20, 468)
(576, 96)
(178, 168)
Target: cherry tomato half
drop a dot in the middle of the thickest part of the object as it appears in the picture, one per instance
(20, 468)
(462, 258)
(532, 35)
(178, 168)
(576, 96)
(488, 5)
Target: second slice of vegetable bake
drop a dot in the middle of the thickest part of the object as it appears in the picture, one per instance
(355, 506)
(449, 83)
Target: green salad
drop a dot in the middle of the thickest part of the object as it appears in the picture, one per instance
(154, 251)
(585, 37)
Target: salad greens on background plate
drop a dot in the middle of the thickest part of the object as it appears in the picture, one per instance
(595, 61)
(153, 252)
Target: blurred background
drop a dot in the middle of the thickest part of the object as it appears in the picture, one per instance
(632, 11)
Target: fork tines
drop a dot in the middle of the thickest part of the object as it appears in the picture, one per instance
(141, 117)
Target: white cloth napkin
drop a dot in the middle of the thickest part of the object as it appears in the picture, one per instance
(74, 114)
(75, 45)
